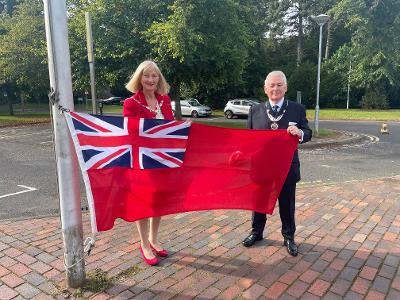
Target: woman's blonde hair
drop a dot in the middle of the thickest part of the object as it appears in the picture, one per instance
(134, 84)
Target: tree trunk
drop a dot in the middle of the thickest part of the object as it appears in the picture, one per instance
(175, 95)
(22, 103)
(8, 97)
(10, 106)
(300, 38)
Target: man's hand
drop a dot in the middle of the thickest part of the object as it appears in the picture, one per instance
(293, 130)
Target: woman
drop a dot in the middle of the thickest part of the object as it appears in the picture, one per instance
(150, 100)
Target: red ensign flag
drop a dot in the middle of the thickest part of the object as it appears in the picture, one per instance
(139, 168)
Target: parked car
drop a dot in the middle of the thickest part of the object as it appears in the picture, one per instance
(239, 107)
(193, 108)
(111, 100)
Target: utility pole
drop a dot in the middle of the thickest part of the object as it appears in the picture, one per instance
(348, 86)
(298, 97)
(55, 15)
(89, 43)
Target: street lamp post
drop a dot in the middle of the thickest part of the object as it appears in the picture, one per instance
(320, 20)
(348, 86)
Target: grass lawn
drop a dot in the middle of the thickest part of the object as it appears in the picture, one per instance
(227, 124)
(40, 113)
(356, 114)
(344, 114)
(112, 109)
(23, 119)
(324, 133)
(106, 108)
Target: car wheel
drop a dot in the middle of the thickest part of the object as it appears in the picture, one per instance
(195, 114)
(229, 114)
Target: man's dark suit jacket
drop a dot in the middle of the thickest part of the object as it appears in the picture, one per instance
(296, 113)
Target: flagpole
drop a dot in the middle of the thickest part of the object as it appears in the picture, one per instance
(55, 15)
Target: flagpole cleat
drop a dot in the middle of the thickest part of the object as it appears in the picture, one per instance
(384, 129)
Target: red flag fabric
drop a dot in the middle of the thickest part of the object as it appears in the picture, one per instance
(222, 168)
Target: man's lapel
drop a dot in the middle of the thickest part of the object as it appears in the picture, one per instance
(264, 118)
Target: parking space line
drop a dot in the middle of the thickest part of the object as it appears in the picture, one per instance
(27, 189)
(16, 136)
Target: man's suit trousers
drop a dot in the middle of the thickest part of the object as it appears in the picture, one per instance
(286, 212)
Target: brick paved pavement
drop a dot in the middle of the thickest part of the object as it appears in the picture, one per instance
(349, 236)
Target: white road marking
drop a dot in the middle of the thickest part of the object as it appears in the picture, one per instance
(373, 138)
(27, 189)
(310, 182)
(327, 166)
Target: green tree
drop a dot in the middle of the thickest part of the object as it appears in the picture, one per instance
(375, 44)
(119, 41)
(204, 42)
(289, 19)
(303, 79)
(23, 52)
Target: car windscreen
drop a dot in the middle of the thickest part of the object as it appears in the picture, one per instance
(194, 103)
(255, 101)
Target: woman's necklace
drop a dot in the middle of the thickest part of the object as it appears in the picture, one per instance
(156, 110)
(274, 124)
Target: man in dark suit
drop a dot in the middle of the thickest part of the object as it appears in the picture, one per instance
(279, 113)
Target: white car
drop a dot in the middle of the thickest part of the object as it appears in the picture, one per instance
(239, 107)
(193, 108)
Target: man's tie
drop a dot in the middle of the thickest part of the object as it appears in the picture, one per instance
(275, 109)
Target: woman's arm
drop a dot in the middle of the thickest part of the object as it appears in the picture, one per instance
(166, 108)
(131, 108)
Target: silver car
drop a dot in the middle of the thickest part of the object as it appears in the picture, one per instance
(239, 107)
(193, 108)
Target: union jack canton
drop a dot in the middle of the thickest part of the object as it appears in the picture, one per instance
(108, 141)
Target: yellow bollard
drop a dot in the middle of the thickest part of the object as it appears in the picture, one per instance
(384, 129)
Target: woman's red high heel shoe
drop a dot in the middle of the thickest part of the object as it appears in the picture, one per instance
(149, 261)
(161, 253)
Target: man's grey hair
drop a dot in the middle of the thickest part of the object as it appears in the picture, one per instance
(277, 73)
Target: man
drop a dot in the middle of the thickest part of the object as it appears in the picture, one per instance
(279, 113)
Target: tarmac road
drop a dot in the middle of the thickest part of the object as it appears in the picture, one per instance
(28, 186)
(380, 158)
(27, 161)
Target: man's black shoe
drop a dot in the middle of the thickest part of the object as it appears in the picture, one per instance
(291, 247)
(251, 240)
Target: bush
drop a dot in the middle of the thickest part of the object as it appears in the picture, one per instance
(374, 100)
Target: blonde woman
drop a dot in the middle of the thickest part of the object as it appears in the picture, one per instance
(150, 100)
